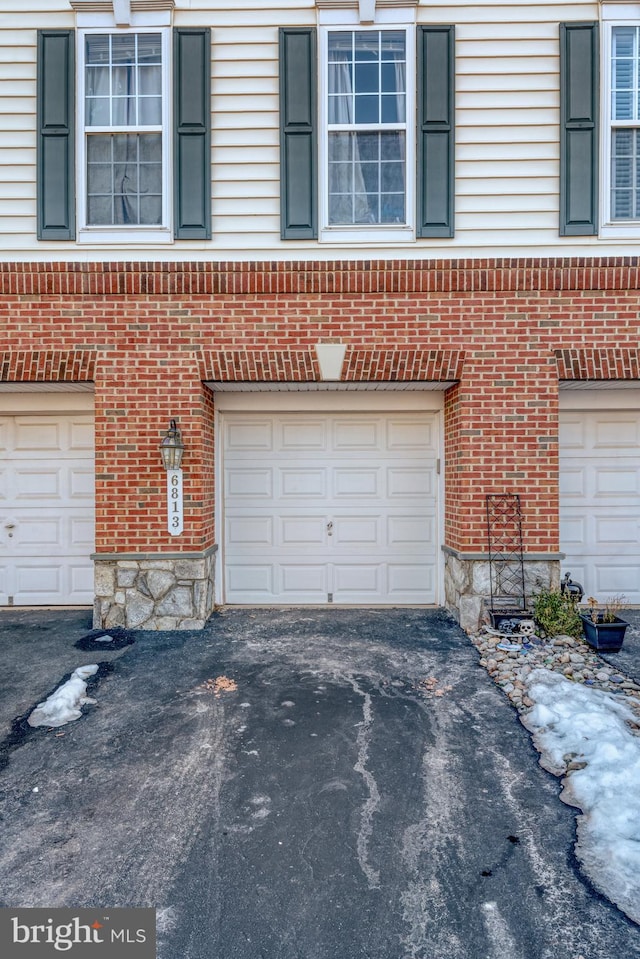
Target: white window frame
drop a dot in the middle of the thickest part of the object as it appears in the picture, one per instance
(120, 234)
(613, 15)
(348, 20)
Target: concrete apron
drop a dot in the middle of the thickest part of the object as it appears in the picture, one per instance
(289, 784)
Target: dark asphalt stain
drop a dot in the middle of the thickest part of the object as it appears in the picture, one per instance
(21, 731)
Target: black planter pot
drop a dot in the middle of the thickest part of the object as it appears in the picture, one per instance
(605, 636)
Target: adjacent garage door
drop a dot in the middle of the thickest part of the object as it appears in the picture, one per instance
(600, 500)
(46, 509)
(330, 508)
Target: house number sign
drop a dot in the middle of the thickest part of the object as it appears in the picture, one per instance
(175, 509)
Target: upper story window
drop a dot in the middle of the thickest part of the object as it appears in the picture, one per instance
(367, 82)
(366, 124)
(124, 155)
(625, 123)
(119, 160)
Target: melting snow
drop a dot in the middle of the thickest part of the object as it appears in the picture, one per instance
(63, 706)
(585, 735)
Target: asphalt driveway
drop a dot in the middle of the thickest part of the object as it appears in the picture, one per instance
(292, 784)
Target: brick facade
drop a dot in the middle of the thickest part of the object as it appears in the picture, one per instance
(149, 334)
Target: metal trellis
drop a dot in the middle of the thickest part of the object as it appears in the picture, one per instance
(506, 564)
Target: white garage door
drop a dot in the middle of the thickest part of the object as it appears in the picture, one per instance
(600, 500)
(46, 509)
(330, 508)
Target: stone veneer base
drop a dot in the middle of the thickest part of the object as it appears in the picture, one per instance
(154, 591)
(467, 584)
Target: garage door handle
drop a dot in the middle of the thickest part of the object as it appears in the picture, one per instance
(10, 527)
(330, 528)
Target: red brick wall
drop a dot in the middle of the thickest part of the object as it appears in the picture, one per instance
(148, 334)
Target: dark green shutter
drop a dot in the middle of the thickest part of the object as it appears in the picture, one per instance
(579, 95)
(298, 147)
(56, 135)
(436, 131)
(192, 133)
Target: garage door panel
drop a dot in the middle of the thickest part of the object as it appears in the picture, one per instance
(615, 531)
(254, 531)
(81, 484)
(411, 531)
(403, 434)
(81, 535)
(622, 481)
(304, 579)
(36, 436)
(45, 485)
(572, 482)
(573, 530)
(299, 483)
(615, 433)
(614, 578)
(296, 531)
(572, 432)
(600, 501)
(250, 435)
(352, 505)
(251, 578)
(358, 433)
(34, 531)
(356, 482)
(409, 580)
(80, 435)
(357, 531)
(248, 483)
(34, 578)
(354, 583)
(305, 434)
(415, 482)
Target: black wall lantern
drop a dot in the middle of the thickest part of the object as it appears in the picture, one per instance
(172, 448)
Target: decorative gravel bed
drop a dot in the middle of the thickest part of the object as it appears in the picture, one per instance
(573, 658)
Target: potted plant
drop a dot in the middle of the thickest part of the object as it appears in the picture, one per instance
(603, 628)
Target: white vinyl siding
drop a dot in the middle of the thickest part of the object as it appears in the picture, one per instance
(507, 133)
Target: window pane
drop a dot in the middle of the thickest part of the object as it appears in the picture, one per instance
(97, 49)
(98, 82)
(624, 73)
(99, 211)
(150, 111)
(625, 174)
(367, 77)
(131, 179)
(98, 112)
(123, 80)
(367, 175)
(367, 110)
(151, 210)
(123, 48)
(149, 48)
(150, 80)
(123, 111)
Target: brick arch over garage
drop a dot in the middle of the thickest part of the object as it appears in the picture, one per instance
(301, 366)
(598, 364)
(47, 366)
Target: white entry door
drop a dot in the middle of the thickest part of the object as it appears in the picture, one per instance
(600, 500)
(46, 509)
(330, 508)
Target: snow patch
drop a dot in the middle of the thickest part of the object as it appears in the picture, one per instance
(586, 735)
(63, 705)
